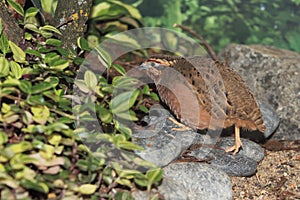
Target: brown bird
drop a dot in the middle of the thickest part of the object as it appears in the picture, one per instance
(205, 94)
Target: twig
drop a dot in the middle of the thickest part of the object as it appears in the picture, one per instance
(206, 45)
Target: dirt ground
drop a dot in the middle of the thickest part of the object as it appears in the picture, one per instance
(277, 177)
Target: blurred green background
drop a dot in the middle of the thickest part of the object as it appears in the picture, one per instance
(221, 22)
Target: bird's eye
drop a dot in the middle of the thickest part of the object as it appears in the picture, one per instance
(153, 64)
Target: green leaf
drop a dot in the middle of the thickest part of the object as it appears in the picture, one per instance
(9, 181)
(16, 6)
(129, 145)
(49, 6)
(105, 115)
(143, 109)
(125, 182)
(53, 81)
(60, 64)
(83, 44)
(47, 151)
(11, 82)
(33, 52)
(50, 28)
(123, 195)
(146, 90)
(154, 96)
(132, 10)
(124, 101)
(55, 139)
(53, 42)
(5, 108)
(36, 100)
(87, 189)
(3, 138)
(16, 70)
(93, 41)
(13, 149)
(57, 126)
(4, 46)
(38, 88)
(51, 57)
(10, 119)
(19, 161)
(119, 69)
(1, 27)
(127, 173)
(125, 130)
(129, 115)
(32, 185)
(32, 27)
(124, 82)
(82, 86)
(90, 80)
(154, 175)
(19, 54)
(4, 69)
(104, 57)
(31, 12)
(25, 86)
(141, 180)
(40, 114)
(26, 172)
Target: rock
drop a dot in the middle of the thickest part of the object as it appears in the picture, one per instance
(249, 149)
(168, 188)
(244, 163)
(273, 76)
(161, 144)
(165, 145)
(200, 181)
(271, 118)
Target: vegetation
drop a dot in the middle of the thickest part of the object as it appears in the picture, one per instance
(220, 22)
(42, 155)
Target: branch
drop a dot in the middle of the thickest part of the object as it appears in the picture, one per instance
(206, 45)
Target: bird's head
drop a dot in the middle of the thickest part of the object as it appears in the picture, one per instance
(155, 65)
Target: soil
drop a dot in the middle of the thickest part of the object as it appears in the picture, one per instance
(277, 177)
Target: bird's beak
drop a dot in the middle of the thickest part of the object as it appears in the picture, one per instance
(143, 66)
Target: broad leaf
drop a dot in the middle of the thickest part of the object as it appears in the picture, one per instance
(19, 54)
(16, 6)
(124, 101)
(87, 189)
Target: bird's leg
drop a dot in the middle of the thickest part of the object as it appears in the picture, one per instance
(182, 126)
(238, 143)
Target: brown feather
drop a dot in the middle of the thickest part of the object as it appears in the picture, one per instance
(221, 97)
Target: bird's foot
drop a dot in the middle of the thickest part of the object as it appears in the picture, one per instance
(235, 148)
(182, 127)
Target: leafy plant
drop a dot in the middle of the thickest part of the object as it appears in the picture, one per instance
(42, 155)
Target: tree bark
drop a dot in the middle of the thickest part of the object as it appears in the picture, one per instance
(10, 25)
(71, 17)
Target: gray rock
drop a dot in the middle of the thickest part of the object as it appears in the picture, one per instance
(244, 163)
(200, 181)
(273, 76)
(271, 119)
(168, 188)
(160, 149)
(172, 190)
(249, 149)
(161, 144)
